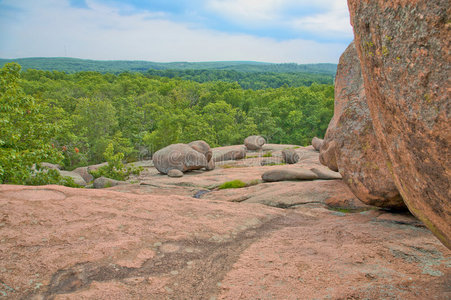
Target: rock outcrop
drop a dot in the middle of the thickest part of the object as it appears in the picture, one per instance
(74, 176)
(202, 147)
(288, 174)
(64, 243)
(404, 52)
(229, 153)
(290, 156)
(254, 142)
(104, 182)
(178, 156)
(350, 145)
(317, 143)
(84, 173)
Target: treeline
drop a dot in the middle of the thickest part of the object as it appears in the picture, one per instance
(49, 116)
(72, 65)
(247, 80)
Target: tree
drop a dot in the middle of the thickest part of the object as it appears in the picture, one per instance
(25, 134)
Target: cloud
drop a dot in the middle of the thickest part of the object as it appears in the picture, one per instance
(248, 10)
(328, 24)
(97, 30)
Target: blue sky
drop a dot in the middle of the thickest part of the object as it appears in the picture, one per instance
(298, 31)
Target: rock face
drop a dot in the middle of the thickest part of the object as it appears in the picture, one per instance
(290, 156)
(175, 173)
(324, 173)
(64, 243)
(317, 143)
(229, 153)
(83, 172)
(254, 142)
(103, 182)
(76, 177)
(202, 147)
(350, 145)
(403, 47)
(210, 165)
(288, 174)
(178, 156)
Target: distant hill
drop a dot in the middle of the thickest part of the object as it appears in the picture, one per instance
(72, 65)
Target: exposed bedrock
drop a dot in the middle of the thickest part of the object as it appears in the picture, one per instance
(404, 53)
(350, 145)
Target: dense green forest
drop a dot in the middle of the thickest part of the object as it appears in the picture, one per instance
(249, 75)
(74, 119)
(247, 80)
(72, 65)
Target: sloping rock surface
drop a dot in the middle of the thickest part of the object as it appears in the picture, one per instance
(63, 243)
(404, 51)
(350, 143)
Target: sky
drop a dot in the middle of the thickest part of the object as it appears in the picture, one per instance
(280, 31)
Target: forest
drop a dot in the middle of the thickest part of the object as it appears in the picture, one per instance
(76, 119)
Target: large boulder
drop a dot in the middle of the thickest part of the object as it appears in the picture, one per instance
(290, 156)
(317, 143)
(84, 173)
(178, 156)
(175, 173)
(350, 145)
(288, 174)
(75, 177)
(104, 182)
(229, 153)
(404, 52)
(202, 147)
(254, 142)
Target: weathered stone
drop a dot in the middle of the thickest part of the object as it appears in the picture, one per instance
(202, 147)
(290, 156)
(317, 143)
(175, 173)
(288, 174)
(350, 145)
(404, 51)
(254, 142)
(178, 156)
(229, 153)
(84, 173)
(103, 182)
(328, 151)
(324, 173)
(76, 177)
(210, 165)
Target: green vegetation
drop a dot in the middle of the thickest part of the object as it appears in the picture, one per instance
(25, 132)
(249, 75)
(234, 184)
(267, 154)
(82, 118)
(72, 65)
(115, 168)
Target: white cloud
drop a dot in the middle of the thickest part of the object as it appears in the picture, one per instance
(53, 28)
(332, 20)
(328, 24)
(247, 10)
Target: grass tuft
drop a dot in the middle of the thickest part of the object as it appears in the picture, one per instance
(267, 154)
(234, 184)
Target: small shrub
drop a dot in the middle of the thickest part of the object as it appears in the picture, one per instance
(115, 169)
(234, 184)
